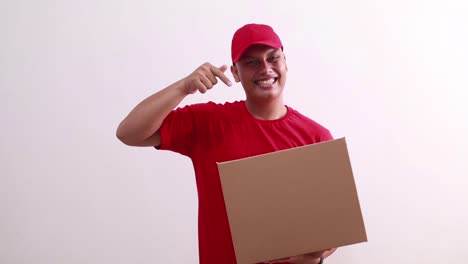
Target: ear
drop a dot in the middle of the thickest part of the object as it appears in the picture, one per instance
(284, 56)
(235, 73)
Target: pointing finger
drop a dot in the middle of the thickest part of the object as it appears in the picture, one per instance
(219, 72)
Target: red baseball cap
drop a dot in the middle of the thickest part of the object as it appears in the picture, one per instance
(252, 34)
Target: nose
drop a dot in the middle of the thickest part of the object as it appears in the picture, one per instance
(265, 66)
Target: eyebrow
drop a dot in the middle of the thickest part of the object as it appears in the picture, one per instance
(247, 56)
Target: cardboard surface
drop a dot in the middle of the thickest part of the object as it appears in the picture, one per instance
(292, 202)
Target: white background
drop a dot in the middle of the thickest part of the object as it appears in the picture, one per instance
(390, 76)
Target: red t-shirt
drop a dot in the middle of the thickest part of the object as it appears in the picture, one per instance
(209, 133)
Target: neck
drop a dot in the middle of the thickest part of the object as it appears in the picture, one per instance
(271, 110)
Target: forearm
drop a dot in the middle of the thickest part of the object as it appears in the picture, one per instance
(146, 118)
(141, 125)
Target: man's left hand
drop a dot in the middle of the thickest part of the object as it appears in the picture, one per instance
(310, 258)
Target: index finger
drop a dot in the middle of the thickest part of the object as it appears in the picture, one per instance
(218, 72)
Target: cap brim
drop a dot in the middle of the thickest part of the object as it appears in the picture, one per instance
(266, 43)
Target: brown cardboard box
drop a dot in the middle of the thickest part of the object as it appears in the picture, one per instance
(292, 202)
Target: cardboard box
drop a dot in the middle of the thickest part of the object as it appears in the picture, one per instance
(292, 202)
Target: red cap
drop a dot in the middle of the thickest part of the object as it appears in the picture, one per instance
(252, 34)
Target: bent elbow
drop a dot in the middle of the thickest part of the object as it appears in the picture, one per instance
(122, 136)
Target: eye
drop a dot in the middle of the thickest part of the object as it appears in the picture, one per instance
(251, 62)
(274, 58)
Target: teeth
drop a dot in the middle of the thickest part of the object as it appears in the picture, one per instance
(269, 81)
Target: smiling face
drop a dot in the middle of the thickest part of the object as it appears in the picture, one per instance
(262, 72)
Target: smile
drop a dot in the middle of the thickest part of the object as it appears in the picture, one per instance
(266, 81)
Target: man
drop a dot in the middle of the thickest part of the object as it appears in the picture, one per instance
(209, 132)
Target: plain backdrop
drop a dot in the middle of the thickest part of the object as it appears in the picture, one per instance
(390, 76)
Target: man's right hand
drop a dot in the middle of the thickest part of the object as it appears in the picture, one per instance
(204, 78)
(142, 124)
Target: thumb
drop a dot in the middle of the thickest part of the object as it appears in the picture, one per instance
(223, 67)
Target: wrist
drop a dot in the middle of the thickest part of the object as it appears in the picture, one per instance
(182, 87)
